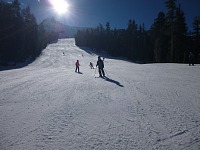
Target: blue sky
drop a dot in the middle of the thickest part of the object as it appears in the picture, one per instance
(89, 13)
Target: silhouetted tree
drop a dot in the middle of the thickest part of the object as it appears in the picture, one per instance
(180, 32)
(159, 38)
(18, 33)
(171, 6)
(196, 37)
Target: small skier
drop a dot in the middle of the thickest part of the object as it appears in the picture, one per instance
(191, 59)
(91, 66)
(100, 65)
(77, 64)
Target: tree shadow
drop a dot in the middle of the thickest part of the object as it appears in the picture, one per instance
(88, 50)
(104, 54)
(12, 66)
(113, 81)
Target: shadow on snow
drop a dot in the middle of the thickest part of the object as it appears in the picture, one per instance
(113, 81)
(105, 54)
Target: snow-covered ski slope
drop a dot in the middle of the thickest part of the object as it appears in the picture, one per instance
(47, 106)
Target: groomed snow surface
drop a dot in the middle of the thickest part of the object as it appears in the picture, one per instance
(47, 106)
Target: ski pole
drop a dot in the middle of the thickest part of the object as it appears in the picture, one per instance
(95, 72)
(106, 72)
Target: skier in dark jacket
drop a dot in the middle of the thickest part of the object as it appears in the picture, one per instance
(191, 59)
(100, 65)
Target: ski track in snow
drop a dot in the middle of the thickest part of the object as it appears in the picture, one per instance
(47, 106)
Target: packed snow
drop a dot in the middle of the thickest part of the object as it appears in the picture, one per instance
(47, 106)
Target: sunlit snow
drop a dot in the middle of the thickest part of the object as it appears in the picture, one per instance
(47, 106)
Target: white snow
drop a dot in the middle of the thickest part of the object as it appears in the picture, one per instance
(47, 106)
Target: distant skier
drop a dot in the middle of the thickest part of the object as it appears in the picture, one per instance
(91, 66)
(191, 59)
(77, 64)
(100, 65)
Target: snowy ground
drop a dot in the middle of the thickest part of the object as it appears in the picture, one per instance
(47, 106)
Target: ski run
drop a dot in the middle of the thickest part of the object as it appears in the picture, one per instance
(47, 106)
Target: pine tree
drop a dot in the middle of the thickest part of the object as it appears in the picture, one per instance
(131, 39)
(108, 37)
(11, 27)
(196, 36)
(19, 36)
(180, 31)
(16, 8)
(159, 38)
(171, 6)
(30, 33)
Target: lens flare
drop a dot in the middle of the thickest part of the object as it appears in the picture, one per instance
(60, 6)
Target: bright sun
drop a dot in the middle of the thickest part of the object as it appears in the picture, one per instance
(60, 6)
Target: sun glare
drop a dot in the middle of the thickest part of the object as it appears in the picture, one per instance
(60, 6)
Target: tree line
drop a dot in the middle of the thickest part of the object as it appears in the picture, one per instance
(168, 39)
(21, 39)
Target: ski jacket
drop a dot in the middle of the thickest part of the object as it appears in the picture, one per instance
(77, 64)
(100, 64)
(191, 56)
